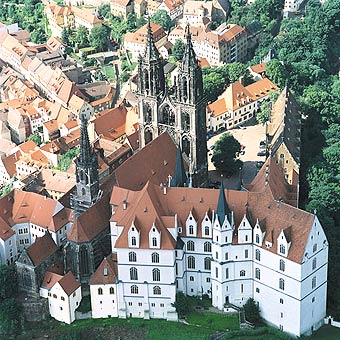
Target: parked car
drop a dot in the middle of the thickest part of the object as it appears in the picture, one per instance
(259, 164)
(212, 147)
(261, 153)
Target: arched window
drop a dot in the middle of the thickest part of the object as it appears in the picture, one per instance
(258, 273)
(242, 273)
(257, 238)
(112, 290)
(132, 256)
(186, 146)
(84, 261)
(168, 116)
(185, 121)
(134, 289)
(207, 247)
(133, 240)
(83, 192)
(206, 230)
(191, 246)
(154, 242)
(191, 262)
(146, 80)
(282, 249)
(258, 255)
(100, 291)
(282, 265)
(157, 290)
(191, 229)
(282, 284)
(156, 274)
(148, 136)
(148, 113)
(184, 89)
(133, 273)
(207, 263)
(155, 258)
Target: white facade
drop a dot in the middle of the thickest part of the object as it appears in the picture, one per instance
(8, 250)
(62, 306)
(104, 300)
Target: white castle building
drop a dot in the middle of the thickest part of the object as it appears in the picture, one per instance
(231, 245)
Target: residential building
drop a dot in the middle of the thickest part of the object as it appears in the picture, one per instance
(226, 44)
(290, 7)
(8, 168)
(197, 13)
(78, 106)
(121, 8)
(135, 42)
(284, 134)
(174, 8)
(64, 295)
(238, 104)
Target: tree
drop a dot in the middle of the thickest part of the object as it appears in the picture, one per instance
(6, 189)
(103, 10)
(81, 39)
(65, 36)
(252, 311)
(7, 274)
(264, 114)
(36, 138)
(235, 71)
(98, 37)
(276, 72)
(181, 304)
(9, 317)
(178, 50)
(66, 159)
(162, 18)
(225, 156)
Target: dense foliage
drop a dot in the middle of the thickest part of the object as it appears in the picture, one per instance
(162, 18)
(29, 14)
(225, 156)
(252, 311)
(66, 159)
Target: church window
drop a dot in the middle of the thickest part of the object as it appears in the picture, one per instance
(191, 262)
(313, 282)
(168, 116)
(314, 263)
(132, 256)
(185, 89)
(156, 274)
(146, 80)
(83, 191)
(100, 291)
(207, 247)
(133, 273)
(148, 113)
(186, 146)
(191, 229)
(112, 290)
(155, 258)
(258, 273)
(258, 255)
(185, 121)
(282, 265)
(282, 284)
(133, 240)
(207, 263)
(84, 261)
(206, 230)
(282, 249)
(148, 137)
(157, 290)
(242, 273)
(134, 289)
(191, 246)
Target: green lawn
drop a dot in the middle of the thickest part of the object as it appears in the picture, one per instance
(108, 71)
(214, 321)
(326, 333)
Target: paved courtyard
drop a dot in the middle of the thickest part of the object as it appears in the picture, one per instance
(250, 137)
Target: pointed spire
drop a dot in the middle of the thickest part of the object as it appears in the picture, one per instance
(180, 177)
(151, 51)
(189, 57)
(222, 206)
(85, 148)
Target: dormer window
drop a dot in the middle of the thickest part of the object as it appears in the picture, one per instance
(154, 242)
(315, 247)
(133, 240)
(191, 229)
(206, 230)
(282, 249)
(257, 238)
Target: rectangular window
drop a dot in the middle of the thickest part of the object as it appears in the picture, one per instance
(241, 287)
(216, 272)
(226, 256)
(246, 253)
(216, 255)
(227, 273)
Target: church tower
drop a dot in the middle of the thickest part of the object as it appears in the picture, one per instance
(87, 190)
(181, 110)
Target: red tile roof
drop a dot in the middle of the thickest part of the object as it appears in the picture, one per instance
(41, 249)
(69, 283)
(107, 272)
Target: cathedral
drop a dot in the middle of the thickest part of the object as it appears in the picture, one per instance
(180, 110)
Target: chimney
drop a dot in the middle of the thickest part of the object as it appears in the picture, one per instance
(124, 204)
(164, 189)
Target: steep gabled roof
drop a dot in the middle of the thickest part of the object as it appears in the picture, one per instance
(107, 272)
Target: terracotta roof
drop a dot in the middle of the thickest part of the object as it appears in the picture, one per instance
(107, 272)
(259, 68)
(87, 15)
(90, 223)
(28, 146)
(110, 123)
(50, 279)
(203, 62)
(5, 230)
(139, 37)
(41, 249)
(69, 283)
(151, 205)
(155, 162)
(51, 125)
(261, 88)
(217, 107)
(134, 140)
(9, 163)
(172, 4)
